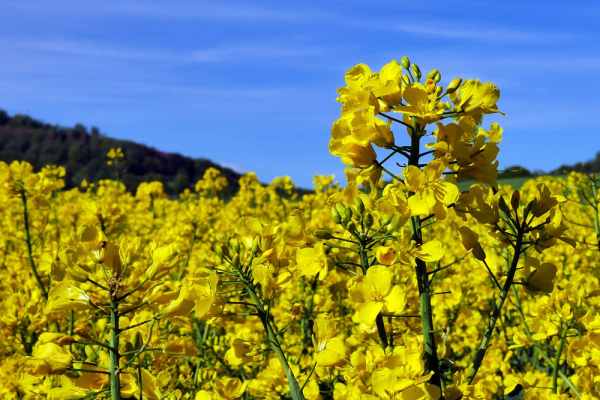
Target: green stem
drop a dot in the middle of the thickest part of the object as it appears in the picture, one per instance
(432, 363)
(497, 310)
(295, 391)
(115, 378)
(29, 250)
(563, 339)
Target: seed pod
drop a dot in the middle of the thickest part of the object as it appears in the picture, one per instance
(454, 85)
(90, 354)
(137, 341)
(129, 350)
(322, 234)
(405, 62)
(388, 218)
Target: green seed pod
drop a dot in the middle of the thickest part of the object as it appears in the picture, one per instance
(395, 224)
(360, 206)
(369, 221)
(388, 218)
(454, 85)
(129, 350)
(431, 75)
(405, 62)
(137, 341)
(90, 354)
(322, 234)
(416, 71)
(335, 216)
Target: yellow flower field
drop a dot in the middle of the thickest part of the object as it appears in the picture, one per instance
(394, 285)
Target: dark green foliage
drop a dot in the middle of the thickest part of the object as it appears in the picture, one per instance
(514, 172)
(83, 154)
(591, 166)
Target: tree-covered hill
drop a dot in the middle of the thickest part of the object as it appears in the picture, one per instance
(83, 154)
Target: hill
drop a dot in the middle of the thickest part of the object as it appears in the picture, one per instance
(83, 154)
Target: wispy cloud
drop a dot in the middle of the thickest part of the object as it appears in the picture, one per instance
(243, 51)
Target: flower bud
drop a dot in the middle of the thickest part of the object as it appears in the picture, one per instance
(416, 71)
(515, 199)
(405, 80)
(454, 85)
(340, 209)
(322, 234)
(236, 260)
(502, 205)
(438, 77)
(235, 246)
(431, 75)
(350, 227)
(360, 206)
(368, 219)
(256, 244)
(219, 250)
(335, 216)
(405, 62)
(351, 213)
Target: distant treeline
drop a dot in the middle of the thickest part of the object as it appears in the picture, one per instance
(83, 154)
(591, 166)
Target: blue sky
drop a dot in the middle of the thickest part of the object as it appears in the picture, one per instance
(252, 84)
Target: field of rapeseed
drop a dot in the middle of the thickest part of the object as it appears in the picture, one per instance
(395, 286)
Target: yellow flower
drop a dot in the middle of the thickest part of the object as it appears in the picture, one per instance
(470, 241)
(66, 296)
(540, 279)
(421, 105)
(385, 255)
(47, 359)
(295, 233)
(242, 352)
(330, 348)
(431, 193)
(230, 388)
(477, 98)
(313, 261)
(376, 294)
(164, 259)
